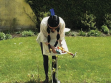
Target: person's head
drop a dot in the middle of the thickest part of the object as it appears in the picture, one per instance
(53, 23)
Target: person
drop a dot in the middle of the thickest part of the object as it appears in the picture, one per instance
(51, 35)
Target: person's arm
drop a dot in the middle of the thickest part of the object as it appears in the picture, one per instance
(52, 47)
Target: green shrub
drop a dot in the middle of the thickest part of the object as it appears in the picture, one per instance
(105, 29)
(2, 36)
(88, 20)
(70, 33)
(8, 36)
(24, 33)
(43, 14)
(18, 32)
(94, 33)
(97, 33)
(27, 33)
(30, 33)
(67, 33)
(91, 33)
(81, 33)
(72, 10)
(110, 32)
(108, 20)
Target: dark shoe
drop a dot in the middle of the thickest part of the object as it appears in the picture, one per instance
(55, 80)
(46, 81)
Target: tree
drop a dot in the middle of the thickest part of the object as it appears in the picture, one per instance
(72, 10)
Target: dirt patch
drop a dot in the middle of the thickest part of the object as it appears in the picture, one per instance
(16, 35)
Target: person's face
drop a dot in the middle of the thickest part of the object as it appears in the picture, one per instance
(53, 29)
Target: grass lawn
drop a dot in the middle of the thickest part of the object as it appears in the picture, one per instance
(21, 61)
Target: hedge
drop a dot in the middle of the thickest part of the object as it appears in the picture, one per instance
(72, 10)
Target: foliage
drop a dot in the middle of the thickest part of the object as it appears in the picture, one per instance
(72, 10)
(39, 9)
(108, 20)
(36, 18)
(8, 36)
(2, 36)
(110, 32)
(67, 33)
(88, 20)
(82, 33)
(43, 14)
(105, 29)
(70, 33)
(18, 32)
(94, 33)
(27, 33)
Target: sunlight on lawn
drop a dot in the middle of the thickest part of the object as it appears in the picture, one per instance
(21, 60)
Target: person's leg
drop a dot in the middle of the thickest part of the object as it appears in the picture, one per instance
(45, 63)
(54, 65)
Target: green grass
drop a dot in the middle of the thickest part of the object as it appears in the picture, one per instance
(21, 61)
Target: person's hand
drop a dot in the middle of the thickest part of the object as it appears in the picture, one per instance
(53, 49)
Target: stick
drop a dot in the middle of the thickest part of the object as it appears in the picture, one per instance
(67, 51)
